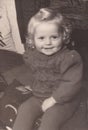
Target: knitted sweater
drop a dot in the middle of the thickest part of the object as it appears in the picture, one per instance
(58, 75)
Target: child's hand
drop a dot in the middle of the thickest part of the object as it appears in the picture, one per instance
(49, 102)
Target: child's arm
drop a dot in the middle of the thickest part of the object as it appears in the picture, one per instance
(71, 80)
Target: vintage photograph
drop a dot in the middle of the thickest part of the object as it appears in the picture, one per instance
(44, 65)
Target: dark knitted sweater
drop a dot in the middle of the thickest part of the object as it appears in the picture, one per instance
(58, 75)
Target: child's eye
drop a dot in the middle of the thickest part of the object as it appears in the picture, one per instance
(41, 38)
(54, 37)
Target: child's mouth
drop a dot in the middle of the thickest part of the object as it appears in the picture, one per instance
(48, 48)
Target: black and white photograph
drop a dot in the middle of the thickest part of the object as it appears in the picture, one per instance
(43, 64)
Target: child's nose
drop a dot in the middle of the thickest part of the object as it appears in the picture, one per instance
(48, 41)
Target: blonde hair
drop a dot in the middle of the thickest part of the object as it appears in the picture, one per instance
(48, 15)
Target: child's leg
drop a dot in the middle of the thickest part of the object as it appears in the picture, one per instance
(28, 112)
(56, 116)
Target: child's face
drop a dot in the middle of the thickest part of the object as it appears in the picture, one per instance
(47, 38)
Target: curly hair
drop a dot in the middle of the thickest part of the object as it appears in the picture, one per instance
(48, 15)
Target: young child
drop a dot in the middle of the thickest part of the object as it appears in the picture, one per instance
(57, 73)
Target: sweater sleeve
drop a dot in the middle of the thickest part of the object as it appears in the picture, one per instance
(71, 79)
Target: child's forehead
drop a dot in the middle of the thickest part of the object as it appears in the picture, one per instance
(48, 24)
(50, 29)
(44, 24)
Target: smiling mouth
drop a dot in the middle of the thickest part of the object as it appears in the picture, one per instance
(48, 48)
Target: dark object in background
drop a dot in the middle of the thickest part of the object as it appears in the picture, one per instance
(10, 98)
(9, 59)
(3, 85)
(10, 102)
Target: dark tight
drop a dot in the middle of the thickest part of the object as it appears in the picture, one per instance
(52, 119)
